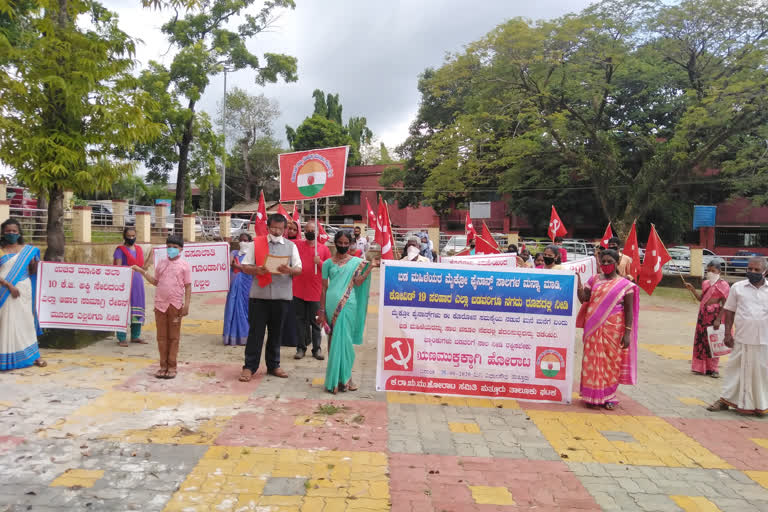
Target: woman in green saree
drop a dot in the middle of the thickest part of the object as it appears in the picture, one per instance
(346, 282)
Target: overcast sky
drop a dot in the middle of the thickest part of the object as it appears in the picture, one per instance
(369, 51)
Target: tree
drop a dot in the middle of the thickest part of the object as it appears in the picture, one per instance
(262, 171)
(205, 46)
(68, 101)
(628, 102)
(248, 119)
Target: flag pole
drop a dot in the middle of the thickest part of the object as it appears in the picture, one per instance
(317, 231)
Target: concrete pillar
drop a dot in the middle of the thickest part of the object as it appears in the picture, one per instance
(513, 238)
(119, 212)
(160, 219)
(697, 262)
(225, 225)
(189, 227)
(143, 227)
(5, 210)
(68, 196)
(81, 224)
(3, 191)
(434, 235)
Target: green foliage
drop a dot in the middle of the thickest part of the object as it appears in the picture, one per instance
(614, 112)
(262, 169)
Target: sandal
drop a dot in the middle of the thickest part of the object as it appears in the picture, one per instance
(139, 341)
(609, 406)
(246, 375)
(170, 374)
(122, 343)
(715, 375)
(351, 387)
(720, 405)
(160, 374)
(41, 363)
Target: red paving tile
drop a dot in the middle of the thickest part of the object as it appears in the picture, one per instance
(441, 483)
(626, 406)
(200, 378)
(8, 443)
(269, 422)
(730, 439)
(216, 301)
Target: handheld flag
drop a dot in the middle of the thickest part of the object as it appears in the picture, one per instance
(370, 214)
(260, 223)
(322, 236)
(313, 174)
(632, 250)
(296, 217)
(556, 227)
(607, 236)
(482, 246)
(384, 232)
(469, 228)
(488, 237)
(656, 256)
(282, 211)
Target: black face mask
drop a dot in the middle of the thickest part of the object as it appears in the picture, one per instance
(548, 260)
(755, 277)
(342, 250)
(309, 235)
(129, 241)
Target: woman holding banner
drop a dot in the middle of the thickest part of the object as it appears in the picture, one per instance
(714, 292)
(128, 255)
(609, 315)
(236, 311)
(345, 296)
(18, 325)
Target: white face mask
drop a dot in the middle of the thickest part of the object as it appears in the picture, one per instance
(412, 252)
(713, 277)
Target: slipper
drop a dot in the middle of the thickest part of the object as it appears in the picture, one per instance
(171, 374)
(122, 343)
(610, 406)
(246, 375)
(715, 375)
(160, 374)
(351, 387)
(41, 363)
(718, 406)
(140, 341)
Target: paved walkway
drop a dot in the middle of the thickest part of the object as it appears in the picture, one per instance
(95, 431)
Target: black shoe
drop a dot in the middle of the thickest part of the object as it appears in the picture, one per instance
(300, 354)
(318, 354)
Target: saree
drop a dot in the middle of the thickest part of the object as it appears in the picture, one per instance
(702, 360)
(236, 310)
(605, 364)
(18, 323)
(129, 257)
(346, 305)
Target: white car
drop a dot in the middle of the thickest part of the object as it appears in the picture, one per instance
(681, 260)
(455, 244)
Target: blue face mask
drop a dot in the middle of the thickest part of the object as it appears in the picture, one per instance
(11, 238)
(173, 252)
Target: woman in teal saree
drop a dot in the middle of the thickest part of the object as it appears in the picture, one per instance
(344, 303)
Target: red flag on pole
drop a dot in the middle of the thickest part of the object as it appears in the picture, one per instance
(322, 236)
(489, 239)
(371, 215)
(656, 256)
(469, 228)
(384, 232)
(296, 217)
(632, 250)
(282, 211)
(608, 235)
(260, 223)
(312, 174)
(556, 227)
(482, 246)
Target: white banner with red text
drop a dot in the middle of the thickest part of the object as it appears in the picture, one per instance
(585, 267)
(507, 260)
(209, 263)
(81, 296)
(471, 331)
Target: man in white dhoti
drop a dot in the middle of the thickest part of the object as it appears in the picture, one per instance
(746, 375)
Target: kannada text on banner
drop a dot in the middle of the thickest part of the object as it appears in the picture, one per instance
(585, 267)
(462, 330)
(209, 263)
(79, 296)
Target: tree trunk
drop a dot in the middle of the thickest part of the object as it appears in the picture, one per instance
(55, 228)
(183, 171)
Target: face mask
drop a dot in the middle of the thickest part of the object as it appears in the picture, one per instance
(11, 238)
(129, 241)
(309, 235)
(342, 250)
(608, 269)
(548, 260)
(712, 277)
(412, 252)
(173, 252)
(424, 247)
(754, 277)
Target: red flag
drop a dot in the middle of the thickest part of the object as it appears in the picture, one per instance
(489, 239)
(384, 232)
(608, 235)
(556, 227)
(632, 250)
(656, 256)
(482, 246)
(296, 217)
(322, 236)
(469, 228)
(371, 215)
(312, 174)
(260, 222)
(282, 211)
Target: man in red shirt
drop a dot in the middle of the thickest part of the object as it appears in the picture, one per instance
(306, 292)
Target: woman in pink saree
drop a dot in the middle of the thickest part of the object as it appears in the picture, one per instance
(609, 315)
(714, 292)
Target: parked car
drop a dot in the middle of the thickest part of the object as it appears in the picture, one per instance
(101, 214)
(21, 199)
(455, 244)
(237, 227)
(738, 264)
(681, 260)
(577, 250)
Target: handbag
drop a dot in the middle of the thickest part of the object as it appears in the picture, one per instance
(716, 339)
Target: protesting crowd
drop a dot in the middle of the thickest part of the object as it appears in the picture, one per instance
(287, 284)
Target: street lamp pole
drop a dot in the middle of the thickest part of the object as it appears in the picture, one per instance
(224, 157)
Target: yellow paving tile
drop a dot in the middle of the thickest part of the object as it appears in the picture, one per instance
(464, 428)
(687, 400)
(205, 433)
(233, 478)
(458, 401)
(78, 477)
(578, 435)
(485, 495)
(695, 504)
(760, 442)
(318, 382)
(674, 352)
(760, 477)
